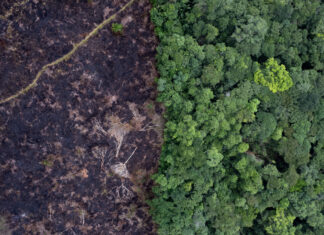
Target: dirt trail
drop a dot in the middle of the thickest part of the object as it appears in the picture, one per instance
(76, 151)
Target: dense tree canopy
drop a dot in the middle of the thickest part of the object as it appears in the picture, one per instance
(243, 84)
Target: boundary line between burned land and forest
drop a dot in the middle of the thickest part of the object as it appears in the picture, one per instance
(66, 56)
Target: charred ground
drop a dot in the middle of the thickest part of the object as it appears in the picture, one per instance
(59, 142)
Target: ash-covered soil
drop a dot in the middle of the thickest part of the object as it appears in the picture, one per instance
(77, 150)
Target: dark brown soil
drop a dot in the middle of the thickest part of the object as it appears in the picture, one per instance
(59, 141)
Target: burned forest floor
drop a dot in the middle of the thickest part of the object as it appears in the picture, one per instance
(78, 148)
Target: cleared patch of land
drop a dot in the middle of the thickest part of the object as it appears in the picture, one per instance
(76, 151)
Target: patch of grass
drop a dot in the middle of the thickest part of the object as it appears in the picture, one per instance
(150, 106)
(117, 28)
(47, 163)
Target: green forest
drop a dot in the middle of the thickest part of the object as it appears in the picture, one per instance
(243, 84)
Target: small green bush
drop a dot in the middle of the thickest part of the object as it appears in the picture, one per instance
(117, 28)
